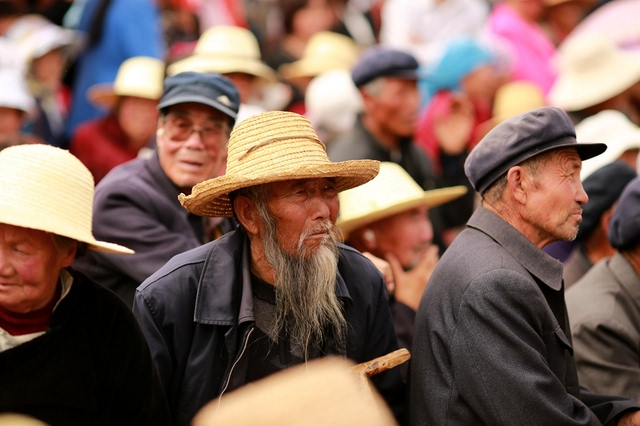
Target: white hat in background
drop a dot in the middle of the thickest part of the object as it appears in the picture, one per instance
(14, 93)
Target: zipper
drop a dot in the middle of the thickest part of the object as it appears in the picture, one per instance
(244, 348)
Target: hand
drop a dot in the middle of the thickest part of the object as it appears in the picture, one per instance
(630, 419)
(411, 284)
(453, 131)
(384, 267)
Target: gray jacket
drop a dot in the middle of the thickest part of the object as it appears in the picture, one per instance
(492, 343)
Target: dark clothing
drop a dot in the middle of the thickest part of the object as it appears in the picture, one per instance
(197, 314)
(576, 266)
(91, 367)
(493, 343)
(136, 205)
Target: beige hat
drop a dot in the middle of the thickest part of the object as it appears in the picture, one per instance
(324, 51)
(225, 49)
(612, 128)
(47, 188)
(393, 191)
(140, 76)
(270, 147)
(591, 70)
(516, 97)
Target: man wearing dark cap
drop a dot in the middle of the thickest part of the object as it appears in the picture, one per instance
(492, 343)
(137, 203)
(603, 187)
(604, 307)
(387, 80)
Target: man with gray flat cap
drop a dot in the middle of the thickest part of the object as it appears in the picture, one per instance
(493, 343)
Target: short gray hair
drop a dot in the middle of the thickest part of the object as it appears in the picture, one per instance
(375, 87)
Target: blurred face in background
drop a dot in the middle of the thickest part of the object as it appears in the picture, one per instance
(395, 106)
(137, 118)
(10, 120)
(49, 68)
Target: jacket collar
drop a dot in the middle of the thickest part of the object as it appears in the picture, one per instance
(537, 262)
(224, 294)
(625, 275)
(160, 179)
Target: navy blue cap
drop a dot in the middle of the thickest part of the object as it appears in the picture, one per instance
(382, 62)
(519, 138)
(211, 89)
(603, 187)
(624, 229)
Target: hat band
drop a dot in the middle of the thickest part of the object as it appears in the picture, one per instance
(279, 139)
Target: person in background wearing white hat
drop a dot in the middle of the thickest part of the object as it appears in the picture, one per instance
(136, 204)
(129, 127)
(71, 352)
(278, 291)
(388, 218)
(16, 107)
(233, 52)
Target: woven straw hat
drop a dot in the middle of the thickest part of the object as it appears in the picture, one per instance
(615, 130)
(47, 188)
(140, 76)
(393, 191)
(225, 49)
(592, 70)
(270, 147)
(324, 51)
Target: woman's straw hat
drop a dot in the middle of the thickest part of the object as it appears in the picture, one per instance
(47, 188)
(140, 76)
(393, 191)
(324, 51)
(612, 128)
(225, 49)
(270, 147)
(591, 70)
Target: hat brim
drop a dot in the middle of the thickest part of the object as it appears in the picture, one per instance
(102, 95)
(211, 197)
(309, 68)
(199, 99)
(431, 198)
(213, 63)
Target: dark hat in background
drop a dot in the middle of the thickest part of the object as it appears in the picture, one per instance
(624, 229)
(519, 138)
(383, 62)
(603, 187)
(210, 89)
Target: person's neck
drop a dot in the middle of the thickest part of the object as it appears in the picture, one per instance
(633, 257)
(597, 246)
(515, 219)
(385, 138)
(260, 267)
(19, 324)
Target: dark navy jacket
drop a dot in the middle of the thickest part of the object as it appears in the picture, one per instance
(197, 313)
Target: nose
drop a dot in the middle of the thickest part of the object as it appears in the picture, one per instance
(426, 231)
(194, 141)
(581, 195)
(5, 265)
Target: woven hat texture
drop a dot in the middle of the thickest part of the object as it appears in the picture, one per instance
(270, 147)
(47, 188)
(393, 191)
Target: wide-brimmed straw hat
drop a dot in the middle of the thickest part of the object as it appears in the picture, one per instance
(591, 70)
(140, 76)
(324, 51)
(225, 49)
(393, 191)
(47, 188)
(270, 147)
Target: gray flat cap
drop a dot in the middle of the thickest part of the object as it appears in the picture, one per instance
(624, 229)
(520, 138)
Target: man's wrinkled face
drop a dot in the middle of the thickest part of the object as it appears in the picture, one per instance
(192, 143)
(395, 108)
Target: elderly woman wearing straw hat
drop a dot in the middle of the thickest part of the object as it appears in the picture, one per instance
(276, 292)
(129, 127)
(388, 218)
(71, 353)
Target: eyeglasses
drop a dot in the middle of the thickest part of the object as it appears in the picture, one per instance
(181, 128)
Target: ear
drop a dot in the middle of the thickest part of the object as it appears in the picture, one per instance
(605, 219)
(247, 214)
(518, 184)
(69, 256)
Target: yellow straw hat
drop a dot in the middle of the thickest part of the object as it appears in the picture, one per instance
(324, 51)
(140, 76)
(47, 188)
(225, 49)
(270, 147)
(591, 70)
(393, 191)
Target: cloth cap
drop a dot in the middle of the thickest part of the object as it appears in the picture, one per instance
(383, 62)
(270, 147)
(47, 188)
(520, 138)
(624, 229)
(603, 187)
(211, 89)
(392, 192)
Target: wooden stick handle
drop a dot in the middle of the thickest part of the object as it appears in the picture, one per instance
(383, 363)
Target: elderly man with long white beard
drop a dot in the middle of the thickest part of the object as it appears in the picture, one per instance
(277, 292)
